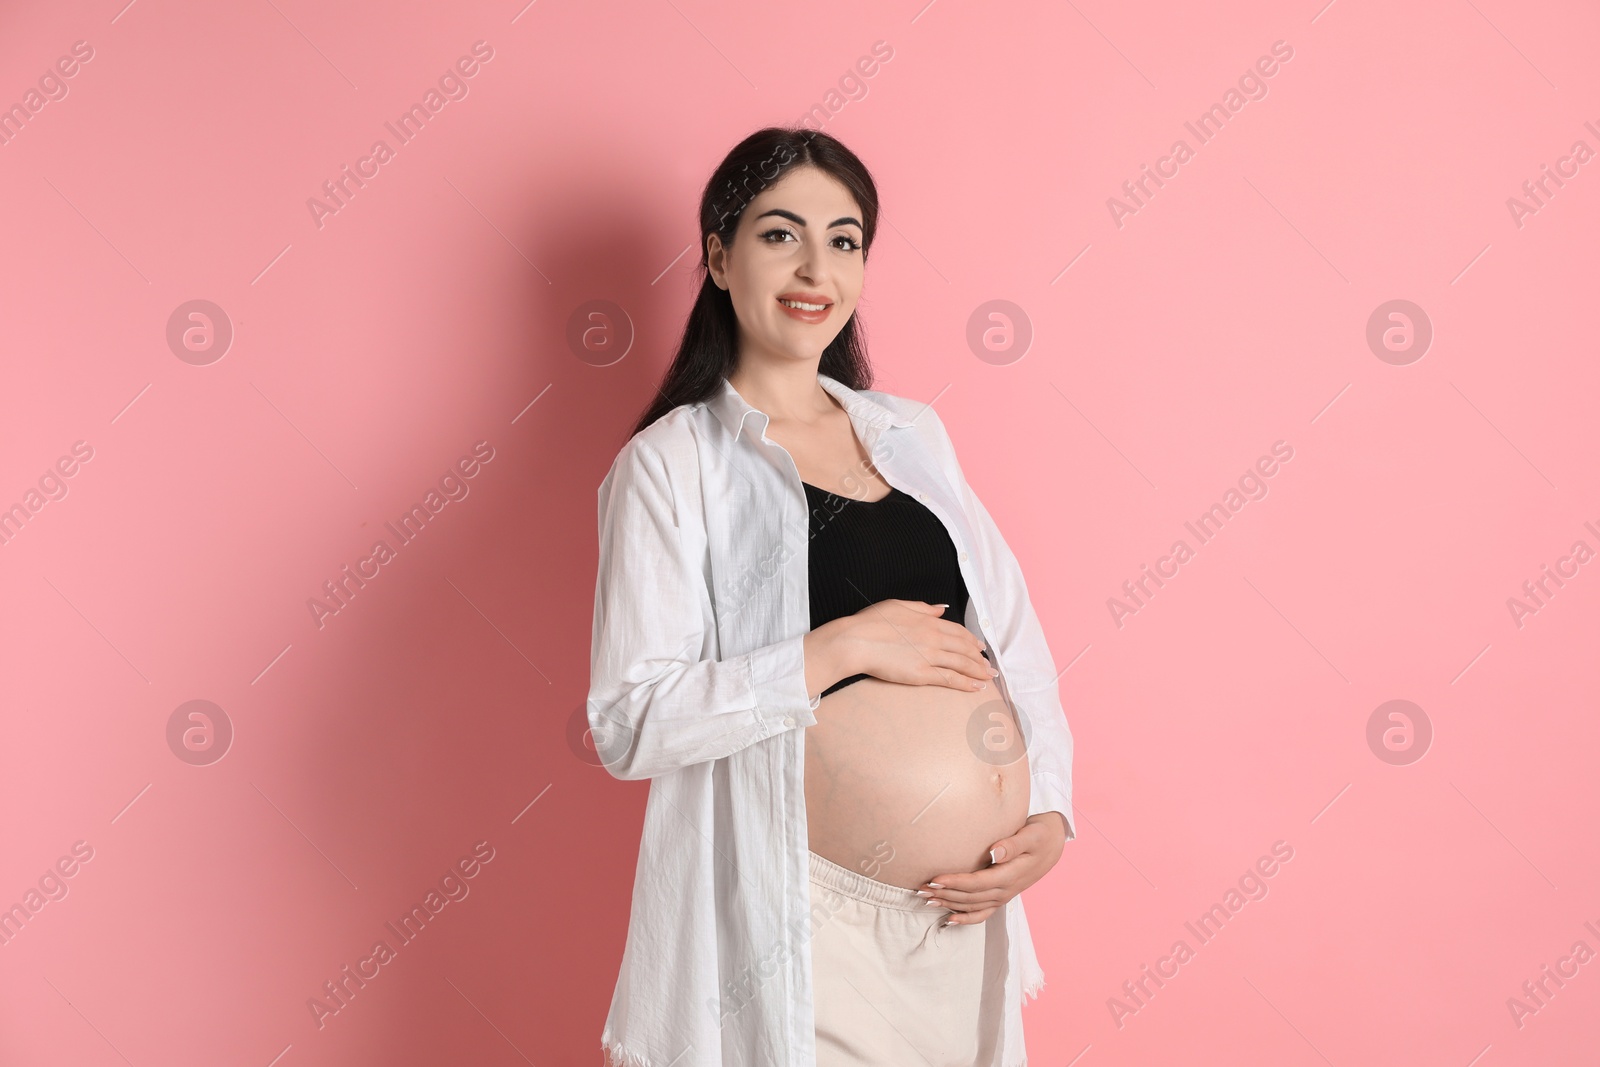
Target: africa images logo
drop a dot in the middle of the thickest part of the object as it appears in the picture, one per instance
(411, 122)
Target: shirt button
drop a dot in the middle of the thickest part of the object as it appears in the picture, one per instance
(962, 556)
(788, 720)
(984, 622)
(922, 497)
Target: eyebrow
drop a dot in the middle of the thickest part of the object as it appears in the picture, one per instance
(792, 217)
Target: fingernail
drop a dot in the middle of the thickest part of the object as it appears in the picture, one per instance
(991, 857)
(930, 903)
(936, 885)
(949, 922)
(923, 893)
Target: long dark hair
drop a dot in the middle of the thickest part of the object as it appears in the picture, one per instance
(709, 349)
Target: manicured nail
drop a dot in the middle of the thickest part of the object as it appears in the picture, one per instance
(931, 903)
(936, 885)
(950, 922)
(991, 857)
(923, 893)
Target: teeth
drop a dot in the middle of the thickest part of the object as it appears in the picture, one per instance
(802, 307)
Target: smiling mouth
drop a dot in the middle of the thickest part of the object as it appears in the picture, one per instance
(800, 305)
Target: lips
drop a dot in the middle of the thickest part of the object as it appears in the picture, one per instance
(808, 316)
(807, 298)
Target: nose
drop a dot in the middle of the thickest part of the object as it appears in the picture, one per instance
(811, 266)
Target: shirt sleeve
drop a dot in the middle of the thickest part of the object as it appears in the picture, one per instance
(1030, 669)
(654, 705)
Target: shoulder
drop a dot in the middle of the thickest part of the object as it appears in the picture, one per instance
(918, 411)
(671, 432)
(924, 418)
(663, 455)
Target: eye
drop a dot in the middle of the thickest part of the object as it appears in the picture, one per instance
(777, 235)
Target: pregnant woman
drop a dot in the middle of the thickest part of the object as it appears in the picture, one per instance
(812, 640)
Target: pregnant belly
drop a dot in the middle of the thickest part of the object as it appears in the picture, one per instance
(905, 782)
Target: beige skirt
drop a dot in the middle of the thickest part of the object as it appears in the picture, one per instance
(891, 986)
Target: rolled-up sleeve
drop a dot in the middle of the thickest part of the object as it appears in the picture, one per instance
(1030, 668)
(654, 705)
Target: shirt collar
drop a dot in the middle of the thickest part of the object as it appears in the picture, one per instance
(731, 409)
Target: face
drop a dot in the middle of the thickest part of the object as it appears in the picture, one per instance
(798, 241)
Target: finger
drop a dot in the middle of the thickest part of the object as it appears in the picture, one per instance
(966, 882)
(953, 675)
(968, 646)
(992, 895)
(1024, 842)
(956, 671)
(950, 898)
(961, 658)
(974, 903)
(969, 918)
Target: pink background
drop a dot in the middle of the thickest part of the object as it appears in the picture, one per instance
(433, 311)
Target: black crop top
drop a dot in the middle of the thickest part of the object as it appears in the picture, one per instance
(864, 551)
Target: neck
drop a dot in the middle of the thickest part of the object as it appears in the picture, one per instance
(789, 394)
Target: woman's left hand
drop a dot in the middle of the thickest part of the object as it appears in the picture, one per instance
(1019, 861)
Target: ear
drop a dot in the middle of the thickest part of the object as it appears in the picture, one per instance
(717, 260)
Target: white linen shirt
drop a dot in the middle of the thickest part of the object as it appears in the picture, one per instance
(697, 682)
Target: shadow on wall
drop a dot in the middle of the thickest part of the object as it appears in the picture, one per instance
(436, 700)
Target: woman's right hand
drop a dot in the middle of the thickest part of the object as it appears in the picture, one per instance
(907, 641)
